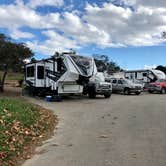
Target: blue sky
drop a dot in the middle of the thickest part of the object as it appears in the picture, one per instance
(128, 31)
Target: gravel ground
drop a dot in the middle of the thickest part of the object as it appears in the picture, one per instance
(121, 131)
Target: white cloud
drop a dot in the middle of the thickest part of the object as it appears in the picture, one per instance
(141, 27)
(37, 3)
(10, 17)
(17, 34)
(107, 25)
(150, 66)
(55, 42)
(151, 3)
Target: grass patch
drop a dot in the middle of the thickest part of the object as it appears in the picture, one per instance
(22, 125)
(13, 76)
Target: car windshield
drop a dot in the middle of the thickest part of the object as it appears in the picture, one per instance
(99, 78)
(85, 64)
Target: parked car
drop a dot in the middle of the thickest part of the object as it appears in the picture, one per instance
(158, 86)
(98, 86)
(126, 86)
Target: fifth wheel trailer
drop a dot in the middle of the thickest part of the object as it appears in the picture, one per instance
(62, 74)
(145, 76)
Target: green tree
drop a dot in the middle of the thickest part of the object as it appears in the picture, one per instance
(104, 64)
(12, 56)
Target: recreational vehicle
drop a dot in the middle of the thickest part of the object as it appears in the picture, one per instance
(62, 74)
(145, 76)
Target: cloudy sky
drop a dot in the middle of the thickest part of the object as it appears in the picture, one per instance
(129, 31)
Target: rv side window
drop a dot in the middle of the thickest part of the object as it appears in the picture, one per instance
(59, 64)
(30, 71)
(40, 72)
(144, 74)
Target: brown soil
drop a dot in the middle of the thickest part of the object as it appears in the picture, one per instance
(10, 91)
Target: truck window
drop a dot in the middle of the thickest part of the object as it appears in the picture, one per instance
(30, 71)
(120, 82)
(40, 72)
(114, 81)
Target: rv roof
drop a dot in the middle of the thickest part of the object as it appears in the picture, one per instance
(143, 70)
(44, 60)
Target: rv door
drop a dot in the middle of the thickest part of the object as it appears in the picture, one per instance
(40, 75)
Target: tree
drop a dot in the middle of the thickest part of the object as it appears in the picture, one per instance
(12, 56)
(161, 68)
(104, 64)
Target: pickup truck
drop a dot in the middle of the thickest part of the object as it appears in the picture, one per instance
(126, 86)
(98, 86)
(158, 86)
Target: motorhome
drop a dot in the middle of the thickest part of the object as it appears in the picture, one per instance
(62, 74)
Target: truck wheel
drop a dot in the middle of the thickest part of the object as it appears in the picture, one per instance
(150, 91)
(163, 91)
(137, 93)
(107, 95)
(92, 92)
(126, 91)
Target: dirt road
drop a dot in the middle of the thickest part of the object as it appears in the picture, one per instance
(121, 131)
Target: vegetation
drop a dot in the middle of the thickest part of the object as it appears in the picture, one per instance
(12, 56)
(104, 64)
(12, 76)
(21, 126)
(161, 68)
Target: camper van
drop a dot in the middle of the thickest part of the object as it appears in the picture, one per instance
(62, 74)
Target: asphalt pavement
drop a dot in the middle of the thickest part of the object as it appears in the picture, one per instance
(120, 131)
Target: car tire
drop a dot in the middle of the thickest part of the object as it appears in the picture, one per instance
(137, 93)
(92, 92)
(150, 91)
(126, 91)
(107, 95)
(163, 91)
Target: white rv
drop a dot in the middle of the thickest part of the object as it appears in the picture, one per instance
(62, 74)
(145, 76)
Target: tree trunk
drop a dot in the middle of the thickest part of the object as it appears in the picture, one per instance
(2, 82)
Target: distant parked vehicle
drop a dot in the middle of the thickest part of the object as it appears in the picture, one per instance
(126, 86)
(146, 76)
(98, 86)
(158, 86)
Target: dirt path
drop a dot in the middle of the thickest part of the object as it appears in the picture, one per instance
(11, 92)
